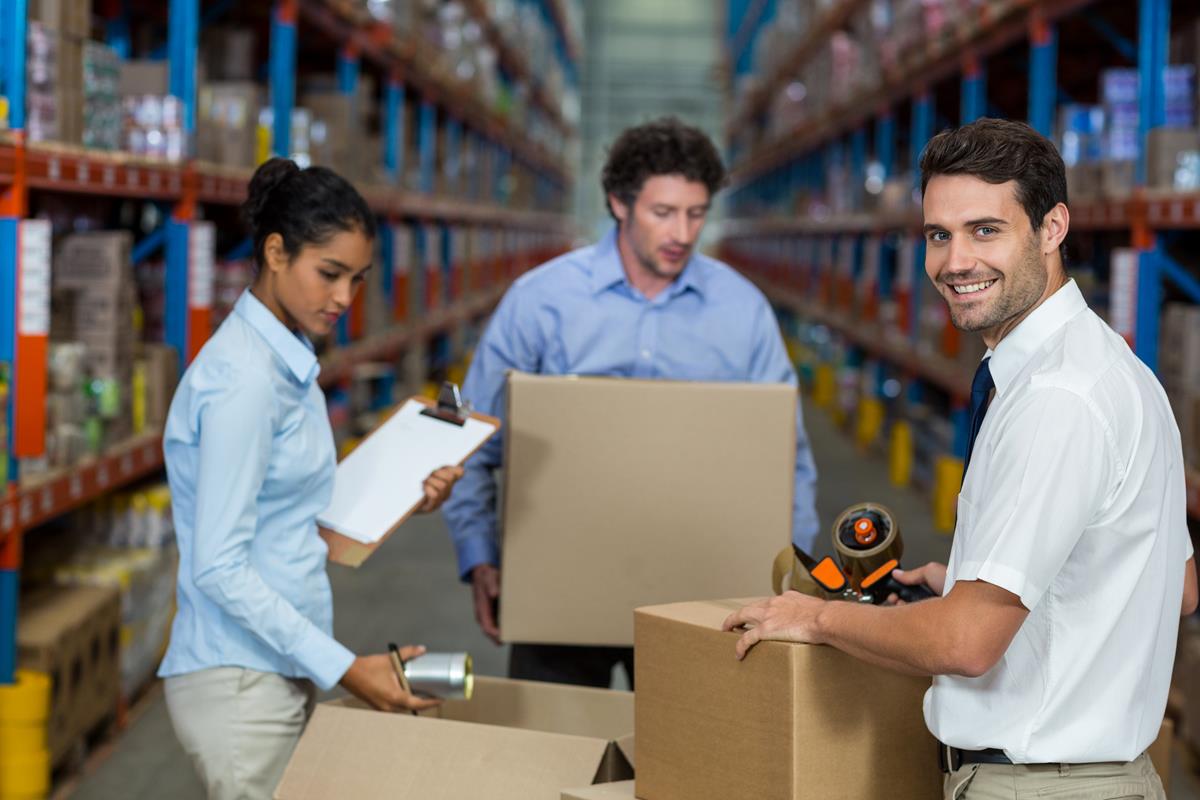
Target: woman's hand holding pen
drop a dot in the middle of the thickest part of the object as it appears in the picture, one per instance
(373, 680)
(437, 488)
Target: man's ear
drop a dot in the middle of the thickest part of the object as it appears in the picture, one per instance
(619, 209)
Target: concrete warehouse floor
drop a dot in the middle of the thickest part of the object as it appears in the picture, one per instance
(408, 592)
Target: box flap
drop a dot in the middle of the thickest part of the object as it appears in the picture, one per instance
(622, 790)
(701, 613)
(346, 752)
(625, 745)
(547, 707)
(580, 528)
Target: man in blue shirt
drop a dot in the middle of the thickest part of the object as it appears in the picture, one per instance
(641, 303)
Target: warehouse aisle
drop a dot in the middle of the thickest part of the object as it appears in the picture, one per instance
(409, 593)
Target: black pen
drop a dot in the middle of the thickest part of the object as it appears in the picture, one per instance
(398, 665)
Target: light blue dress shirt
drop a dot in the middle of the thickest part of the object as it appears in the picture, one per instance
(250, 460)
(579, 315)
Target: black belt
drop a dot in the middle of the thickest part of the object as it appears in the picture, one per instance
(951, 758)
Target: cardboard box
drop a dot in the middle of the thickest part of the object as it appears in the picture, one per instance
(790, 721)
(623, 493)
(162, 376)
(144, 78)
(72, 635)
(1163, 148)
(1116, 179)
(621, 790)
(515, 740)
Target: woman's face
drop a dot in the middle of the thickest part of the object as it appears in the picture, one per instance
(316, 287)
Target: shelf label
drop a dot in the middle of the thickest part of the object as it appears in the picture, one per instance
(81, 172)
(34, 318)
(110, 176)
(201, 258)
(132, 177)
(53, 169)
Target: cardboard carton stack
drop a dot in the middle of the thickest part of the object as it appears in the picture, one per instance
(152, 119)
(227, 123)
(96, 304)
(72, 635)
(57, 32)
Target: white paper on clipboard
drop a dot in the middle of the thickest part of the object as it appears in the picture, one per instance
(380, 482)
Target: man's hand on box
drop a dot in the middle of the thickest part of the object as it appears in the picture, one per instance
(485, 586)
(790, 617)
(437, 488)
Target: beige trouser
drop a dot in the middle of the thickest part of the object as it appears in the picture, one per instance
(1135, 780)
(239, 727)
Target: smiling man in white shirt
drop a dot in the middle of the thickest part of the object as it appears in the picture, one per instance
(1052, 639)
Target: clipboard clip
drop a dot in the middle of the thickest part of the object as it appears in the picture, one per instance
(450, 406)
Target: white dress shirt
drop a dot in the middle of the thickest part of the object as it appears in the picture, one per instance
(1074, 502)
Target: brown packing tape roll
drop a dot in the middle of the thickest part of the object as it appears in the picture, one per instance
(860, 562)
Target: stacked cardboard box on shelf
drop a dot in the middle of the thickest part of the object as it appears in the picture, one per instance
(95, 304)
(57, 33)
(152, 119)
(72, 634)
(227, 123)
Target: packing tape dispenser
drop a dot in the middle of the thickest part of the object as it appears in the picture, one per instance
(868, 546)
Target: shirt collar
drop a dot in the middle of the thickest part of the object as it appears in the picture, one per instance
(608, 270)
(1015, 349)
(294, 348)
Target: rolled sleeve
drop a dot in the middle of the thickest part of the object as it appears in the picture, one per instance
(227, 519)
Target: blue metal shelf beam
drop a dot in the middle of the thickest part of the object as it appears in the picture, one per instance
(283, 72)
(1043, 77)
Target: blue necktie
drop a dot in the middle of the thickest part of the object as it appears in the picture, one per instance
(981, 388)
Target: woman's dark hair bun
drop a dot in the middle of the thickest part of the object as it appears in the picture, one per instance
(315, 204)
(270, 174)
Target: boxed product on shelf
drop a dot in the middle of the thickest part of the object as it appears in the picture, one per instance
(43, 104)
(1168, 150)
(227, 123)
(152, 119)
(126, 542)
(230, 279)
(72, 634)
(158, 366)
(228, 53)
(101, 125)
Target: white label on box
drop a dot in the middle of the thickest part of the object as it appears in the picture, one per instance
(1123, 297)
(34, 318)
(201, 259)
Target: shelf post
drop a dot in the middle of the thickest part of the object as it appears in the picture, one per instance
(1043, 72)
(283, 71)
(349, 325)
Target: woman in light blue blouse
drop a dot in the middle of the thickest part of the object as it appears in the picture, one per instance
(250, 460)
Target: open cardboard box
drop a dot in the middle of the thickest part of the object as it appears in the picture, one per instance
(623, 493)
(791, 721)
(514, 740)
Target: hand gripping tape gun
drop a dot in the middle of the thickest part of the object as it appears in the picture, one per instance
(866, 540)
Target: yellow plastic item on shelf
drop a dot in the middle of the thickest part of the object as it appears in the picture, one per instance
(15, 738)
(26, 702)
(870, 421)
(456, 374)
(824, 386)
(25, 774)
(900, 455)
(947, 480)
(430, 390)
(138, 396)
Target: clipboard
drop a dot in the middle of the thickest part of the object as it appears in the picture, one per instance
(379, 484)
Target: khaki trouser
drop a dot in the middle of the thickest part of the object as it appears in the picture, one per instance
(239, 727)
(1135, 780)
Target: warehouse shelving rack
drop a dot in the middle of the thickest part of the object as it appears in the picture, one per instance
(792, 258)
(522, 238)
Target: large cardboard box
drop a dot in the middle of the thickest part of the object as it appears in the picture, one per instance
(791, 721)
(72, 635)
(1163, 148)
(515, 740)
(623, 493)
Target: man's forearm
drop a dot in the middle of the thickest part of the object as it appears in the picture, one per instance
(903, 639)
